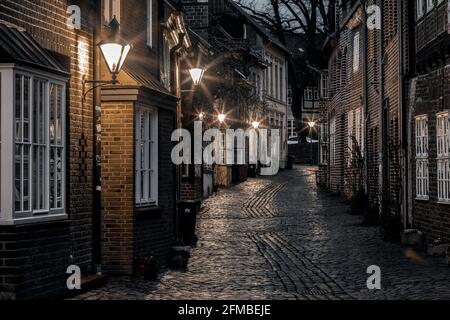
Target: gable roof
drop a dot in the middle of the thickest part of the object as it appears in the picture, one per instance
(18, 46)
(258, 28)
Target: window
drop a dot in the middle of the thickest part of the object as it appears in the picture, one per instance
(356, 52)
(111, 10)
(422, 178)
(39, 146)
(419, 8)
(311, 94)
(146, 156)
(323, 144)
(333, 141)
(430, 5)
(149, 23)
(324, 85)
(443, 156)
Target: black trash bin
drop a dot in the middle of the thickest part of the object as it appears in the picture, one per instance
(252, 171)
(290, 162)
(188, 220)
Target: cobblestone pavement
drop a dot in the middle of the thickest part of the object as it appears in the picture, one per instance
(280, 238)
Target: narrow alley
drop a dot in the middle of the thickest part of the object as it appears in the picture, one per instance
(281, 238)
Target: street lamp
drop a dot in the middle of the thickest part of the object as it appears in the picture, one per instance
(197, 75)
(115, 51)
(311, 124)
(221, 117)
(114, 54)
(201, 116)
(255, 124)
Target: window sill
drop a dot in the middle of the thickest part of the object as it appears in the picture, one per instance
(444, 202)
(35, 219)
(423, 199)
(149, 211)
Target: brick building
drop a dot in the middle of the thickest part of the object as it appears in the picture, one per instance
(428, 119)
(69, 195)
(361, 149)
(250, 82)
(47, 147)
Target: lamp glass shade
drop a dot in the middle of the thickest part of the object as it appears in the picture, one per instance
(255, 124)
(221, 117)
(115, 55)
(197, 75)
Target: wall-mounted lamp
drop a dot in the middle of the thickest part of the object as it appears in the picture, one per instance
(197, 75)
(114, 50)
(311, 124)
(201, 116)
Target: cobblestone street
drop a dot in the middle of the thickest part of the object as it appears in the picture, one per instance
(280, 238)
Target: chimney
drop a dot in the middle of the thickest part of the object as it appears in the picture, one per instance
(196, 14)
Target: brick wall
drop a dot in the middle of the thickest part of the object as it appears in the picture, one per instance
(430, 216)
(117, 187)
(34, 260)
(46, 22)
(196, 14)
(155, 231)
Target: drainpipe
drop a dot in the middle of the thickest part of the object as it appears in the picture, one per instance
(365, 93)
(401, 111)
(176, 91)
(383, 126)
(96, 185)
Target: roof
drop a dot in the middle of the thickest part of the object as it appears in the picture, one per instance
(143, 76)
(258, 28)
(18, 46)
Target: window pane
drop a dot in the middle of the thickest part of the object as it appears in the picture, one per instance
(18, 178)
(18, 108)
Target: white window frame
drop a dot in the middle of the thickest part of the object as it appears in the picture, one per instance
(111, 9)
(419, 9)
(422, 163)
(150, 23)
(324, 85)
(356, 55)
(333, 141)
(147, 162)
(8, 213)
(430, 5)
(443, 156)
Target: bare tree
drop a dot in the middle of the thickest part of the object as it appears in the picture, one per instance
(313, 19)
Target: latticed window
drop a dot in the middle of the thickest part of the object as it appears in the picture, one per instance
(355, 132)
(39, 161)
(422, 176)
(146, 156)
(356, 55)
(443, 156)
(419, 8)
(333, 141)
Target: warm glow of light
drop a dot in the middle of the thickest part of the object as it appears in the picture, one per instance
(311, 124)
(201, 116)
(255, 124)
(115, 55)
(197, 75)
(221, 117)
(83, 57)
